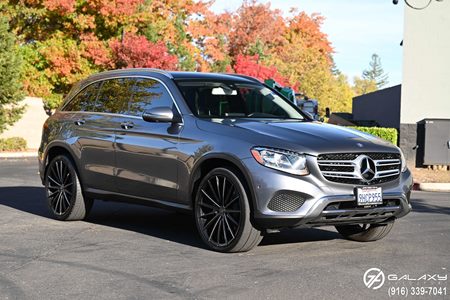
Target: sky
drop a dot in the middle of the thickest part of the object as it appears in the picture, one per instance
(356, 29)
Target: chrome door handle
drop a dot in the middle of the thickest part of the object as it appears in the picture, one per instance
(127, 125)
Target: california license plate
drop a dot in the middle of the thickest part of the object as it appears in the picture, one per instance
(369, 196)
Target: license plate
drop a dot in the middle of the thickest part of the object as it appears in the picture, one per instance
(369, 196)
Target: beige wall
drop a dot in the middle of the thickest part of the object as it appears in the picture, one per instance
(30, 125)
(426, 62)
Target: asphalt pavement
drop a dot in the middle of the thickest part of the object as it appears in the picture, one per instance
(133, 252)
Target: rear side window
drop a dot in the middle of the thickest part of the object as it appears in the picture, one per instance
(84, 100)
(114, 96)
(148, 93)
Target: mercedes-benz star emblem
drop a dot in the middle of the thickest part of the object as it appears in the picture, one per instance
(367, 168)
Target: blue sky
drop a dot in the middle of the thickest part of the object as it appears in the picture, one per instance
(356, 28)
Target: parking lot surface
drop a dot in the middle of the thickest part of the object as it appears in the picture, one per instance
(133, 252)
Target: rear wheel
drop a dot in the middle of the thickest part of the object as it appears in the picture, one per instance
(222, 213)
(63, 190)
(365, 232)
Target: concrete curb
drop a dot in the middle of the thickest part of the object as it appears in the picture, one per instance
(31, 154)
(434, 187)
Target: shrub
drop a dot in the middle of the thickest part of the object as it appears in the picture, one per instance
(388, 134)
(13, 144)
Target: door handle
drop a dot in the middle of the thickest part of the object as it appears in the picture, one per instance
(127, 125)
(79, 122)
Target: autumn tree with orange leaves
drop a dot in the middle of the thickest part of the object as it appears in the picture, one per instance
(63, 41)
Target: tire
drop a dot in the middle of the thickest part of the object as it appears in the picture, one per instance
(65, 198)
(365, 233)
(222, 213)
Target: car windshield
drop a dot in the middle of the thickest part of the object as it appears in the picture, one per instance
(236, 100)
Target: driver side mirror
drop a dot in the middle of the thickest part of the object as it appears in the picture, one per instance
(161, 114)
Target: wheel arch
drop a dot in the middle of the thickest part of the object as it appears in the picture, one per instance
(56, 149)
(212, 161)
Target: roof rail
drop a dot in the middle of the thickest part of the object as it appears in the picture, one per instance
(244, 76)
(167, 74)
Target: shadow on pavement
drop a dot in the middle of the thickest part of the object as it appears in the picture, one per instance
(164, 224)
(423, 206)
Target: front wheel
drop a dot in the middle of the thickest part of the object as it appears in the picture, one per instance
(63, 190)
(365, 232)
(222, 213)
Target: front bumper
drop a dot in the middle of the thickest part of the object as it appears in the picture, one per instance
(326, 202)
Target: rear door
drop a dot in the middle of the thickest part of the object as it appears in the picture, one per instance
(93, 136)
(146, 153)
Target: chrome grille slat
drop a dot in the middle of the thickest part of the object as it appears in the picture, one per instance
(345, 167)
(341, 176)
(387, 162)
(395, 172)
(336, 162)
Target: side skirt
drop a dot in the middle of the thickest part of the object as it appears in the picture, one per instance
(117, 197)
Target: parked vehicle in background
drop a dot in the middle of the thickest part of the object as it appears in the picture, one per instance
(286, 91)
(310, 106)
(236, 153)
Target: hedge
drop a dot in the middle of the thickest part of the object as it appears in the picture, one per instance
(388, 134)
(13, 144)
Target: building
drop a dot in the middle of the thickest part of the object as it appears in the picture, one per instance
(420, 107)
(425, 90)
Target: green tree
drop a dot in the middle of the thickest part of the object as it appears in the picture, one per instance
(375, 72)
(10, 85)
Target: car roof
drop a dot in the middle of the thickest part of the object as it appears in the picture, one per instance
(175, 75)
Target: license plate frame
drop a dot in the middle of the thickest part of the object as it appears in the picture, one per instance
(369, 196)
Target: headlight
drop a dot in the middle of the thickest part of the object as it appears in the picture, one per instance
(282, 160)
(403, 160)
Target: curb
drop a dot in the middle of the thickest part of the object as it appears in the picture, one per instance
(434, 187)
(18, 154)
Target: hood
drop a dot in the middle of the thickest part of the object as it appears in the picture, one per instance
(312, 137)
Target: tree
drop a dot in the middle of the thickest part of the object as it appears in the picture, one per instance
(250, 66)
(375, 72)
(306, 60)
(255, 23)
(136, 51)
(63, 41)
(10, 85)
(363, 86)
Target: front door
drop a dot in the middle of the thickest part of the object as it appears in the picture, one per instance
(146, 152)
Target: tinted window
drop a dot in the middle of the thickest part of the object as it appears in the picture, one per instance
(84, 100)
(236, 100)
(148, 93)
(114, 96)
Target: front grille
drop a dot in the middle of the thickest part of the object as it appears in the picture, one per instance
(286, 201)
(345, 167)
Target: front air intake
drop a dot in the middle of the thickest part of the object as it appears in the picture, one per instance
(286, 201)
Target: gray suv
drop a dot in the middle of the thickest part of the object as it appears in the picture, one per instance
(228, 148)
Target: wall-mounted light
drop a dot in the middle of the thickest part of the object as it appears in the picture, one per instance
(416, 7)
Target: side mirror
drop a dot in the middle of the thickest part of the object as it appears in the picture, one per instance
(160, 114)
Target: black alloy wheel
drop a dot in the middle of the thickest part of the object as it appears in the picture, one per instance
(63, 190)
(222, 213)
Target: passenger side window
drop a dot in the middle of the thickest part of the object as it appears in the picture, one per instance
(114, 96)
(84, 100)
(148, 93)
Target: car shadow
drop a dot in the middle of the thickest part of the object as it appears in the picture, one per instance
(423, 206)
(167, 225)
